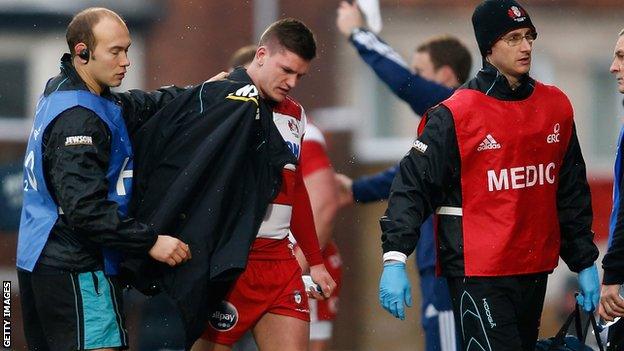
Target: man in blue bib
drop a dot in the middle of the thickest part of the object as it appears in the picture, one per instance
(74, 226)
(611, 301)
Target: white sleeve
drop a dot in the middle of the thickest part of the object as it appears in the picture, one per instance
(314, 134)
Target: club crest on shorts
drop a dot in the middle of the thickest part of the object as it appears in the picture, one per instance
(297, 297)
(224, 317)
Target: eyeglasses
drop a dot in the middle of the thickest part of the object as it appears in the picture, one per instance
(516, 39)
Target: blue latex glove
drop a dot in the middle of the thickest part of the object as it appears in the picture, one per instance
(394, 289)
(590, 288)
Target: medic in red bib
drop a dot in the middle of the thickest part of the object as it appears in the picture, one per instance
(500, 164)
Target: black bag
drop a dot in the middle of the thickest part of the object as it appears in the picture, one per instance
(616, 336)
(564, 342)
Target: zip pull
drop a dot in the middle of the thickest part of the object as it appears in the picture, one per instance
(96, 284)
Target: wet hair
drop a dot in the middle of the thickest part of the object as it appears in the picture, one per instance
(293, 35)
(448, 51)
(80, 29)
(243, 56)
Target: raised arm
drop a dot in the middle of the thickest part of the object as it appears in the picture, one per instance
(388, 65)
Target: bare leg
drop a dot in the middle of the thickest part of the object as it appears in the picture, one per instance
(205, 345)
(319, 345)
(275, 332)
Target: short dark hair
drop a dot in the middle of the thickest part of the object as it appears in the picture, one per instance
(293, 35)
(80, 29)
(448, 51)
(243, 56)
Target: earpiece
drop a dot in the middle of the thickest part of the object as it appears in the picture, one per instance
(84, 54)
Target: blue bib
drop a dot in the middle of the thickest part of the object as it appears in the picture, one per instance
(39, 211)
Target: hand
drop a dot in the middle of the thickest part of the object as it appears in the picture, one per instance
(394, 289)
(611, 303)
(321, 277)
(589, 285)
(170, 250)
(345, 192)
(221, 76)
(349, 18)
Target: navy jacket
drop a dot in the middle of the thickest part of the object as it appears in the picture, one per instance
(421, 94)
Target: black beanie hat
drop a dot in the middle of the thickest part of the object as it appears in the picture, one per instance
(494, 18)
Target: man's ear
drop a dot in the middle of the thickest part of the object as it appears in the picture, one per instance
(82, 52)
(261, 53)
(448, 76)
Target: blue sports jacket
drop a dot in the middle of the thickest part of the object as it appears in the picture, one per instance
(421, 94)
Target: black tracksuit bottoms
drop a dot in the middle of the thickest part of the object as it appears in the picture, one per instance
(498, 313)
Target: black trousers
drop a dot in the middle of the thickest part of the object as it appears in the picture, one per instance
(616, 336)
(498, 313)
(33, 330)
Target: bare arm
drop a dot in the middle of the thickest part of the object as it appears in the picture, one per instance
(323, 192)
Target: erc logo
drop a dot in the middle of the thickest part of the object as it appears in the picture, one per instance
(554, 137)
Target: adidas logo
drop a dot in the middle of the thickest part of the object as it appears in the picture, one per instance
(488, 144)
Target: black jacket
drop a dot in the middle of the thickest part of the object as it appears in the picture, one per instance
(428, 181)
(207, 166)
(76, 177)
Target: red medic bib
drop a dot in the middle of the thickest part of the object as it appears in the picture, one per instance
(511, 155)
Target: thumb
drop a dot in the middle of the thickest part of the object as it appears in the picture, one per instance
(408, 297)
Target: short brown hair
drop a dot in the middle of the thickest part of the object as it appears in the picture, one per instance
(80, 29)
(243, 56)
(448, 51)
(293, 35)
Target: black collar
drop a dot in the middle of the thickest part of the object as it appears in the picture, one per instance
(240, 75)
(68, 69)
(491, 82)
